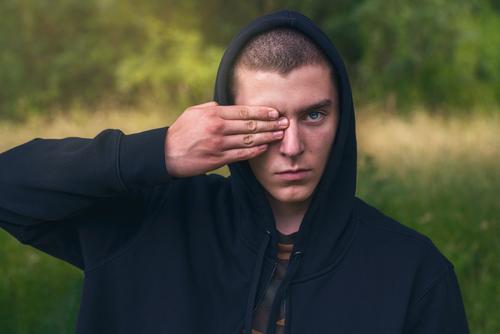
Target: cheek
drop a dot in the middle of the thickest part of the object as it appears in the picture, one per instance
(320, 138)
(320, 141)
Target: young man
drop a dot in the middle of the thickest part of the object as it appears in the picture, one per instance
(280, 246)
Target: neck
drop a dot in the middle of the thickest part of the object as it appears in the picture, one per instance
(288, 215)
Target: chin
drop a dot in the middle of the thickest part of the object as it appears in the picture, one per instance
(291, 194)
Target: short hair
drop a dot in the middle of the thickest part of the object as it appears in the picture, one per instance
(279, 50)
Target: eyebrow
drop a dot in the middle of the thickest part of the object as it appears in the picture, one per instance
(318, 105)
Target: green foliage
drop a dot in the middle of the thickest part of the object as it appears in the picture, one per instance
(38, 294)
(431, 52)
(51, 53)
(458, 208)
(172, 65)
(440, 54)
(55, 54)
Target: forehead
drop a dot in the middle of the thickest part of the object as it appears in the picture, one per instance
(289, 93)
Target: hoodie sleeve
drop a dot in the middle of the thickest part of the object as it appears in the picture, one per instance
(440, 310)
(80, 199)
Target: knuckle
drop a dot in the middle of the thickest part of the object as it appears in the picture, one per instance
(216, 111)
(216, 142)
(244, 113)
(216, 126)
(211, 115)
(252, 125)
(248, 140)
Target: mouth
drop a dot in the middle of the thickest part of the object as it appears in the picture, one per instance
(293, 175)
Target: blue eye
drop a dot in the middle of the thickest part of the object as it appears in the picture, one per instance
(316, 115)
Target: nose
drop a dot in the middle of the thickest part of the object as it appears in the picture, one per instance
(291, 145)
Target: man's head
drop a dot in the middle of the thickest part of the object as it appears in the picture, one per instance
(284, 69)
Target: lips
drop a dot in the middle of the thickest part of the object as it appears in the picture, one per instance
(294, 175)
(293, 170)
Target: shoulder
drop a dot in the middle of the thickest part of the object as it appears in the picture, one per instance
(400, 245)
(382, 225)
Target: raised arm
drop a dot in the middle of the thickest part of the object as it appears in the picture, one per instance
(82, 199)
(56, 192)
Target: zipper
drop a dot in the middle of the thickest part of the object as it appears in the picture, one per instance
(259, 299)
(263, 292)
(286, 298)
(287, 313)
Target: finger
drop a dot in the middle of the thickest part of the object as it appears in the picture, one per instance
(232, 127)
(207, 104)
(244, 153)
(243, 112)
(249, 140)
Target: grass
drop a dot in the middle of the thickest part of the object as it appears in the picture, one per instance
(440, 176)
(436, 174)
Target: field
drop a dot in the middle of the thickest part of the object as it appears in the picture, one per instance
(436, 174)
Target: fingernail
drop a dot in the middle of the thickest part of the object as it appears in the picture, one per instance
(273, 114)
(283, 121)
(277, 134)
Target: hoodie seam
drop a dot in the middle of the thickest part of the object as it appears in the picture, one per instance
(433, 283)
(291, 19)
(117, 162)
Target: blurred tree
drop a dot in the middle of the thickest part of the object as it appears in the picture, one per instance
(52, 51)
(172, 65)
(427, 52)
(435, 53)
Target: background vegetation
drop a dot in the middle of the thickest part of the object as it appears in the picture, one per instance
(426, 82)
(436, 53)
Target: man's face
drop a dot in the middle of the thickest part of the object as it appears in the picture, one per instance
(307, 140)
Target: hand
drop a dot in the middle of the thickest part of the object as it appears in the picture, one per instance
(208, 136)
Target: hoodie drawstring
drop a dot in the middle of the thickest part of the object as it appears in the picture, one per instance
(255, 282)
(282, 291)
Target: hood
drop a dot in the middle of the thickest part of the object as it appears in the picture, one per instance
(326, 229)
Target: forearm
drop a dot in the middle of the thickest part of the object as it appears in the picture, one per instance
(49, 179)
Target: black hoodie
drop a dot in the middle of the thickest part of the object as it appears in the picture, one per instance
(162, 254)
